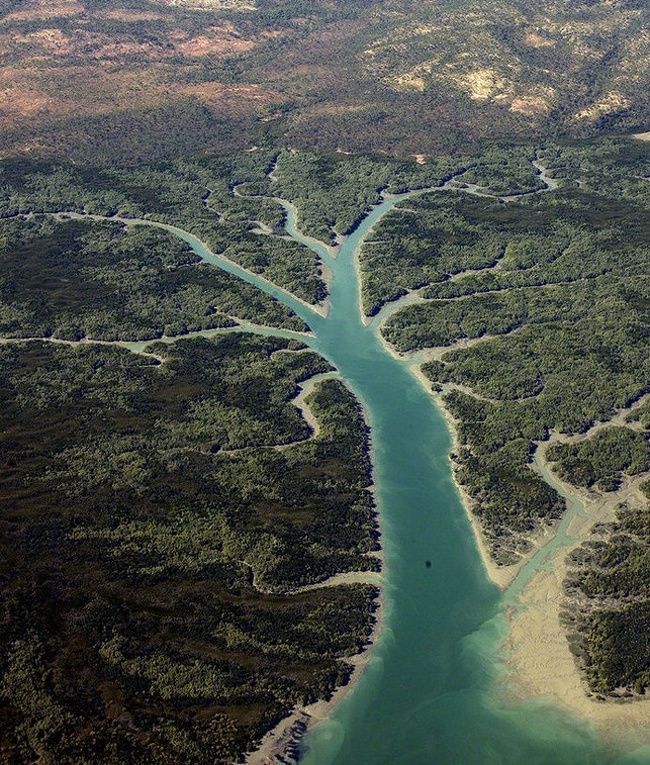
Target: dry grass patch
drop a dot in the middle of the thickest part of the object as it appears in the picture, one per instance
(535, 40)
(539, 101)
(222, 40)
(46, 9)
(212, 5)
(611, 103)
(124, 14)
(225, 100)
(481, 84)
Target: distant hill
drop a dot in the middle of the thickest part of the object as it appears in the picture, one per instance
(133, 80)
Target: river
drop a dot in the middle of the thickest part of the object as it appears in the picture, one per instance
(431, 694)
(428, 696)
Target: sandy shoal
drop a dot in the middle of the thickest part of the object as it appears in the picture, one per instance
(537, 652)
(275, 742)
(539, 662)
(541, 665)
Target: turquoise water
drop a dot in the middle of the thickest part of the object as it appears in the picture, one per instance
(428, 696)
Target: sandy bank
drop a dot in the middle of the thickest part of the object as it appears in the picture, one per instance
(537, 651)
(278, 741)
(540, 664)
(502, 576)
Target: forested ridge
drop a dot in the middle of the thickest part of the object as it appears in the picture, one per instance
(137, 82)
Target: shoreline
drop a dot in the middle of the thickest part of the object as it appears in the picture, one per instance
(332, 250)
(537, 659)
(535, 654)
(539, 666)
(284, 738)
(286, 735)
(501, 576)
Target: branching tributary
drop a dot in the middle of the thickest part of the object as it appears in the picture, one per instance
(427, 696)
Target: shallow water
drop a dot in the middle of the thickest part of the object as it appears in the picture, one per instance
(430, 695)
(427, 696)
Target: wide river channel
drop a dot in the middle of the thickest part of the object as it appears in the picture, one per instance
(431, 694)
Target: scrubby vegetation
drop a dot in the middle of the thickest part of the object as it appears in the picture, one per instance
(148, 569)
(455, 245)
(333, 192)
(495, 445)
(601, 166)
(74, 279)
(610, 605)
(135, 82)
(197, 197)
(504, 172)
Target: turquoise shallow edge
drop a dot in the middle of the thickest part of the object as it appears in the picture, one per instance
(431, 693)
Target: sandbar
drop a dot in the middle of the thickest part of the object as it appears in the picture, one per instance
(537, 652)
(538, 661)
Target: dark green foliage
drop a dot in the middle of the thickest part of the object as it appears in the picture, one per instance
(641, 414)
(147, 612)
(511, 501)
(610, 604)
(504, 172)
(422, 241)
(74, 279)
(194, 196)
(544, 239)
(549, 369)
(619, 648)
(599, 167)
(602, 459)
(333, 192)
(499, 312)
(568, 302)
